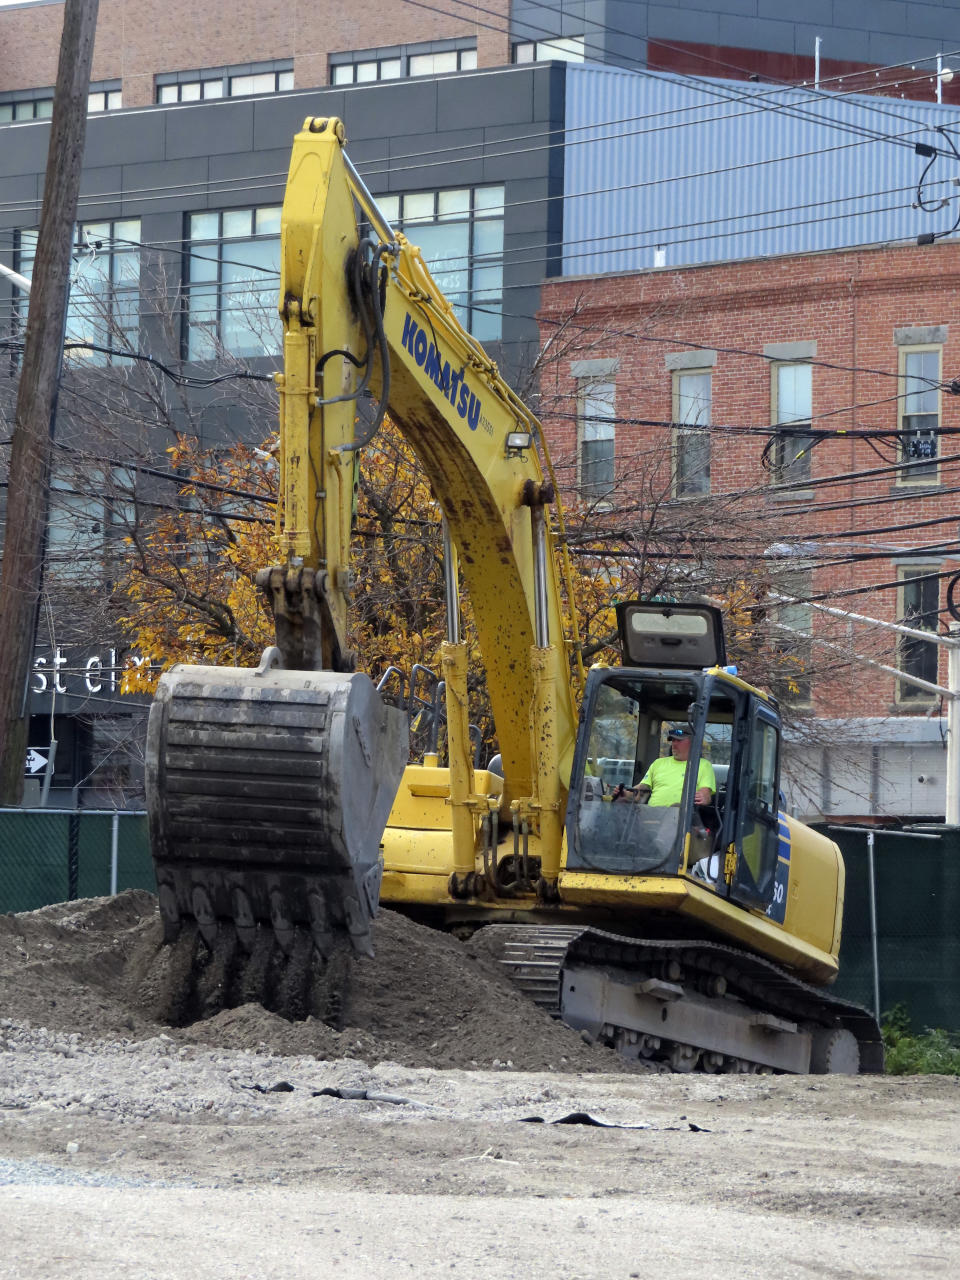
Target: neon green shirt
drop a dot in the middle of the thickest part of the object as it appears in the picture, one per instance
(665, 779)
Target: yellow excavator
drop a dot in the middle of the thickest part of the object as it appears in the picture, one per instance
(283, 806)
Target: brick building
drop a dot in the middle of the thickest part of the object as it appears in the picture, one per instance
(145, 55)
(846, 342)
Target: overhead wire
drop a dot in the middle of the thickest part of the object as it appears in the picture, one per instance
(473, 8)
(704, 83)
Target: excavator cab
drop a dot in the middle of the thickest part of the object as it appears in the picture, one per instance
(731, 845)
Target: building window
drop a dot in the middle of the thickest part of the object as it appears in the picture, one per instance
(691, 448)
(918, 607)
(224, 82)
(793, 623)
(74, 529)
(33, 105)
(103, 316)
(596, 398)
(232, 276)
(260, 82)
(460, 234)
(557, 49)
(792, 410)
(919, 414)
(191, 90)
(105, 96)
(38, 105)
(400, 61)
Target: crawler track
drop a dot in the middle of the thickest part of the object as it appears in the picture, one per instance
(687, 1005)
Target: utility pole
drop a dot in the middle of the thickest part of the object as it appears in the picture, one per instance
(30, 459)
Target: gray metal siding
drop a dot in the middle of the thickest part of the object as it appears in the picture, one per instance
(716, 170)
(877, 31)
(158, 163)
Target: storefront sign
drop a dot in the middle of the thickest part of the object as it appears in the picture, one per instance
(76, 670)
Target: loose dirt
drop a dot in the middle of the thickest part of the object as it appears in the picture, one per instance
(431, 1136)
(425, 1000)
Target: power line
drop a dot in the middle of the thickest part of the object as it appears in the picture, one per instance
(704, 84)
(474, 8)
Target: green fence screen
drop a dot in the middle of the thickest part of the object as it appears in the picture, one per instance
(917, 911)
(54, 855)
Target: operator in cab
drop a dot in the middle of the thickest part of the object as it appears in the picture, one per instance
(662, 784)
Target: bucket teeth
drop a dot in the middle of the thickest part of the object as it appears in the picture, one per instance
(268, 793)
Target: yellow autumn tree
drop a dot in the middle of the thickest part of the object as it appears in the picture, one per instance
(189, 593)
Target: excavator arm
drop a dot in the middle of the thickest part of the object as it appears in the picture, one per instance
(269, 790)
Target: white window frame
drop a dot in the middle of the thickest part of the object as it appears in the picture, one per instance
(918, 475)
(791, 452)
(911, 694)
(796, 582)
(679, 434)
(402, 62)
(553, 49)
(596, 425)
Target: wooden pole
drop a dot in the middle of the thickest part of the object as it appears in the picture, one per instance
(30, 459)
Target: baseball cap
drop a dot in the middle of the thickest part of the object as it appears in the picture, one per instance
(679, 731)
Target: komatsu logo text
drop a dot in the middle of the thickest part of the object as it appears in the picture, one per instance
(449, 381)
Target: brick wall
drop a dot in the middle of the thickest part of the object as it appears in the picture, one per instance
(850, 304)
(136, 39)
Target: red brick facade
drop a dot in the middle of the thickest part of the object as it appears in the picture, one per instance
(137, 40)
(861, 309)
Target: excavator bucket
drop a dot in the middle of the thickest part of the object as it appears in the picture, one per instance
(268, 793)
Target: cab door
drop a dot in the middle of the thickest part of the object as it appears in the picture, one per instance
(756, 844)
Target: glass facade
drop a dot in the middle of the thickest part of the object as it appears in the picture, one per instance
(220, 82)
(103, 316)
(460, 234)
(557, 49)
(39, 108)
(231, 279)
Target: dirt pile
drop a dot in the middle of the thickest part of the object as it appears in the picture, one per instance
(426, 1000)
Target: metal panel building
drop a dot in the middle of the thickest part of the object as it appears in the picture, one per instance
(667, 170)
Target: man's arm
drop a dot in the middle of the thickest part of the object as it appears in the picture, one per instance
(706, 784)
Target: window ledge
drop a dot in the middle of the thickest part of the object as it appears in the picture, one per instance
(795, 495)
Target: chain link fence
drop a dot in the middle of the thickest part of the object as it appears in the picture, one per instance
(57, 855)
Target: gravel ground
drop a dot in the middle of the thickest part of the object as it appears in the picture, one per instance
(412, 1143)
